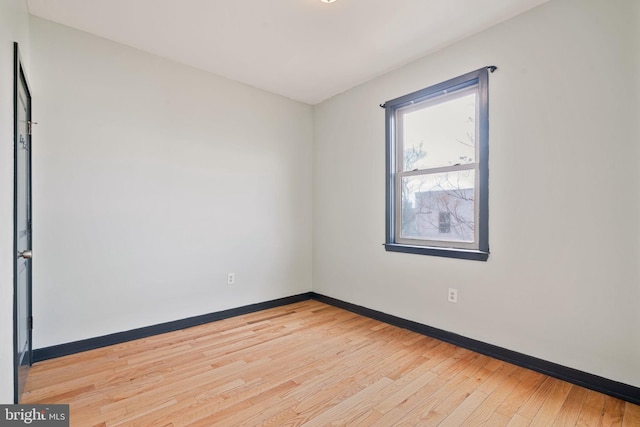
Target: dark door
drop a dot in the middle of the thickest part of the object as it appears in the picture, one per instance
(22, 319)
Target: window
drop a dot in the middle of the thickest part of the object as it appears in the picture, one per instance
(437, 169)
(444, 224)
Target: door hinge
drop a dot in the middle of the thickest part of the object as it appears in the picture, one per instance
(30, 322)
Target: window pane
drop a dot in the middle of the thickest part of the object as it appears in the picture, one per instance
(438, 206)
(438, 135)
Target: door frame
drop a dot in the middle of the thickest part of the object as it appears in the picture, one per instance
(20, 78)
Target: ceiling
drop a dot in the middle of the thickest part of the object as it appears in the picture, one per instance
(306, 50)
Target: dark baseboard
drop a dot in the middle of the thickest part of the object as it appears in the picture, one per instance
(46, 353)
(574, 376)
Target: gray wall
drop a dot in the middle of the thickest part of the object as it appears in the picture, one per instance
(562, 281)
(152, 181)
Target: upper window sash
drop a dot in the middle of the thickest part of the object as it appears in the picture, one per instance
(449, 96)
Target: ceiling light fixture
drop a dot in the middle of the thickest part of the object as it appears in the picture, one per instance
(327, 1)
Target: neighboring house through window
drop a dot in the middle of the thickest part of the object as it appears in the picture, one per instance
(444, 224)
(437, 169)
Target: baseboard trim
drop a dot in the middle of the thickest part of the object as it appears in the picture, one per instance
(574, 376)
(603, 385)
(52, 352)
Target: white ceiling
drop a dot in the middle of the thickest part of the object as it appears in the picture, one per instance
(302, 49)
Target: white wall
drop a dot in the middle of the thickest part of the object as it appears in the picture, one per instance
(14, 27)
(562, 281)
(152, 180)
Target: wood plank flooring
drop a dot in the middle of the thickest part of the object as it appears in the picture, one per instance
(314, 365)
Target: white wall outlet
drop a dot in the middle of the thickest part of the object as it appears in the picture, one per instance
(452, 296)
(231, 278)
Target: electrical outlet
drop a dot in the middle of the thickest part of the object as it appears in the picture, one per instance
(231, 278)
(452, 296)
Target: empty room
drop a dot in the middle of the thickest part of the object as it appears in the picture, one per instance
(316, 212)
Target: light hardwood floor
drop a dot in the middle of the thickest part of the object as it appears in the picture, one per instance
(309, 364)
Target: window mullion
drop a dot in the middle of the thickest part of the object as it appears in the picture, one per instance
(454, 168)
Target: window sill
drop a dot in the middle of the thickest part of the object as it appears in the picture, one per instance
(434, 251)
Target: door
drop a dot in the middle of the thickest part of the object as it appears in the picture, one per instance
(22, 320)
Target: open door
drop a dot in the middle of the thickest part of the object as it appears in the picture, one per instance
(22, 320)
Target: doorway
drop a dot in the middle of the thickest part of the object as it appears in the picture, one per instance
(22, 233)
